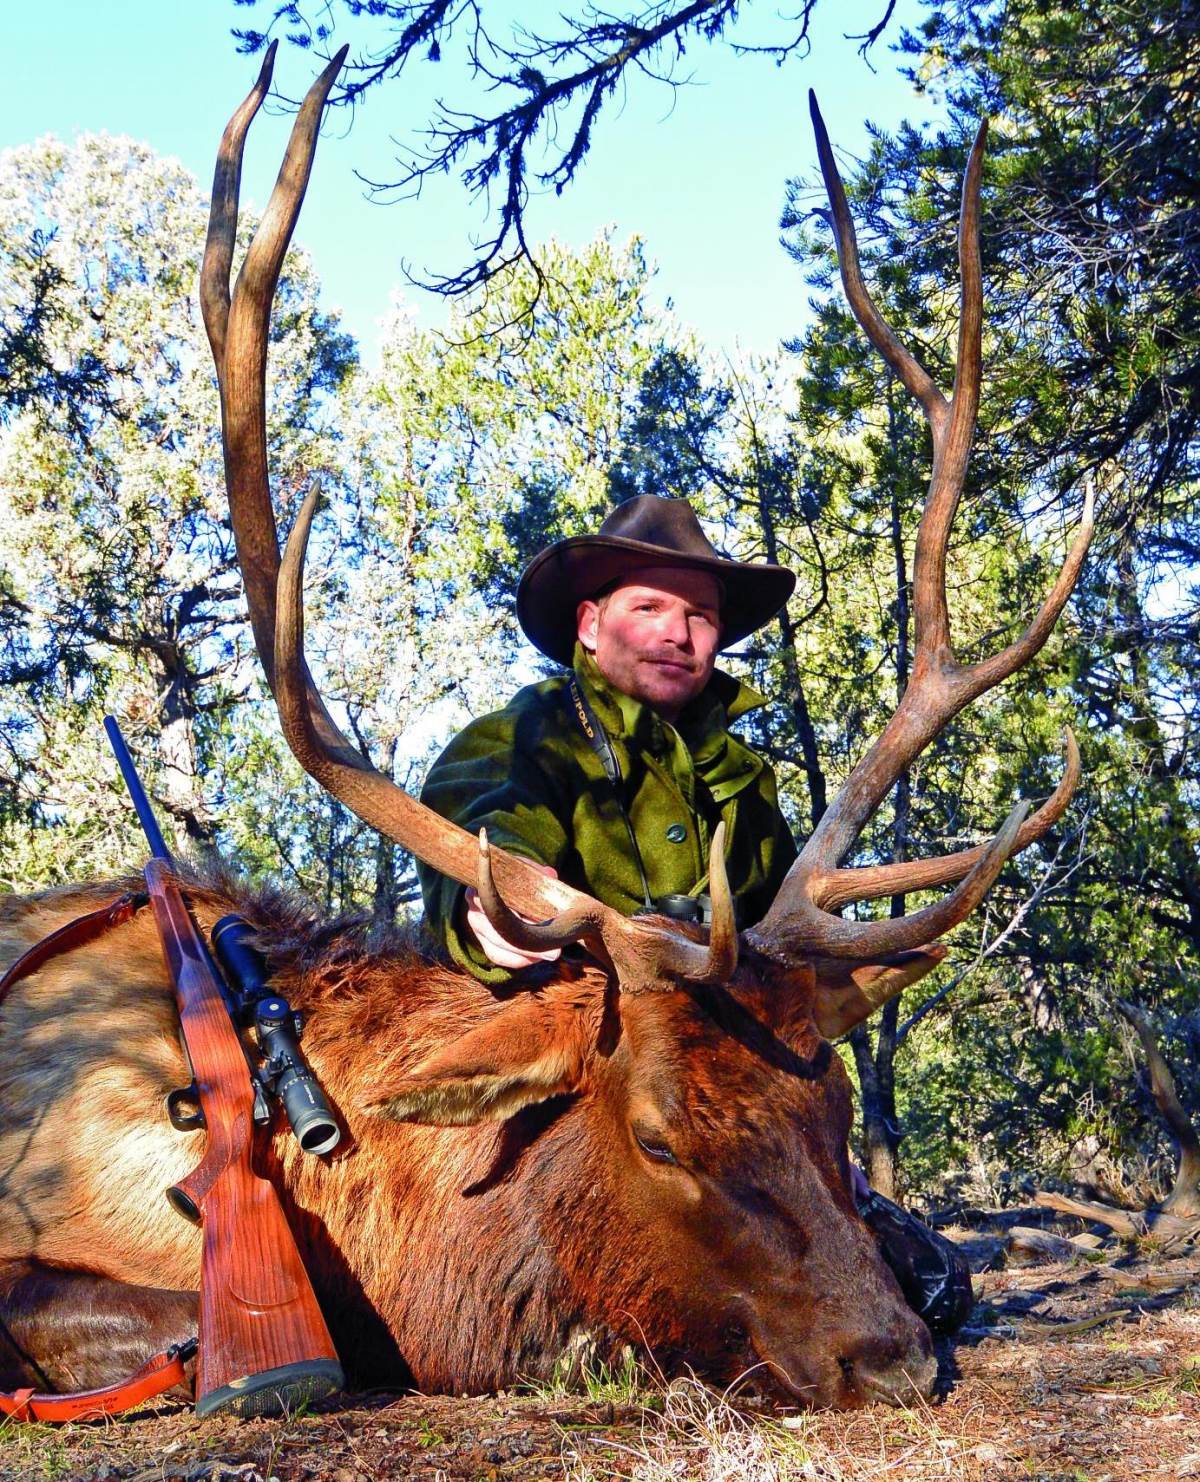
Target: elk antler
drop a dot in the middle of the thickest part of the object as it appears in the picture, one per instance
(642, 953)
(238, 332)
(800, 920)
(716, 965)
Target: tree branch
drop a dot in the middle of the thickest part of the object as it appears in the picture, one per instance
(575, 71)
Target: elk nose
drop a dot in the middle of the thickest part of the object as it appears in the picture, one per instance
(892, 1381)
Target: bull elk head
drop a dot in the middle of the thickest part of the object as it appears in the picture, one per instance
(859, 964)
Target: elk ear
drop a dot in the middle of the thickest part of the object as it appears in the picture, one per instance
(849, 992)
(527, 1052)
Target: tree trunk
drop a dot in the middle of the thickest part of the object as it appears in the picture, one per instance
(180, 785)
(881, 1131)
(1184, 1198)
(1040, 997)
(806, 735)
(1160, 768)
(329, 818)
(1129, 1224)
(386, 893)
(881, 1125)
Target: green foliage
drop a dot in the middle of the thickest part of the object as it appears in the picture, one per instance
(1091, 344)
(118, 587)
(623, 1383)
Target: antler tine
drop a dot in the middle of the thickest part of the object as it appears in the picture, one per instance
(929, 701)
(588, 920)
(644, 952)
(912, 374)
(981, 676)
(646, 955)
(584, 918)
(243, 384)
(810, 930)
(870, 882)
(238, 332)
(223, 214)
(968, 364)
(952, 436)
(722, 959)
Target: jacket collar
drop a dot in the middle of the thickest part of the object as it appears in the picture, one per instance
(703, 720)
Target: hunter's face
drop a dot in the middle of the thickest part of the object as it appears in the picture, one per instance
(655, 636)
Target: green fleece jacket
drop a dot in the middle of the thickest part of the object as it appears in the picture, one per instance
(529, 775)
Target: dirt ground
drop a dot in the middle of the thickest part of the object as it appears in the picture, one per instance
(1083, 1372)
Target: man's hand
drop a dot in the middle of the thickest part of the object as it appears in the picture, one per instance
(495, 948)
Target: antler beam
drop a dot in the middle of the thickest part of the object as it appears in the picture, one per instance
(238, 328)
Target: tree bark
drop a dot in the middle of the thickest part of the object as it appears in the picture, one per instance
(1041, 1245)
(386, 893)
(1131, 1224)
(806, 735)
(881, 1133)
(1040, 997)
(181, 785)
(1184, 1198)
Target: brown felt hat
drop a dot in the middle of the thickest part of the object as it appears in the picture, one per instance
(646, 531)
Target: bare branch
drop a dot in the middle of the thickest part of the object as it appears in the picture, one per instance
(544, 82)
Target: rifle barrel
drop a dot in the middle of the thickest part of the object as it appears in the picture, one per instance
(158, 845)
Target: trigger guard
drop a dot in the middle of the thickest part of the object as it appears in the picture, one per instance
(185, 1121)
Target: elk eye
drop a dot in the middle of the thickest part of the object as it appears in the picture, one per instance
(654, 1147)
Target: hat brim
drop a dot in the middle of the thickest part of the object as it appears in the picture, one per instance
(562, 576)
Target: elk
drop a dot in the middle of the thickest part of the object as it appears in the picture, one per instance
(646, 1147)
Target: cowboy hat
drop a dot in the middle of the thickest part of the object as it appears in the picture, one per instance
(646, 531)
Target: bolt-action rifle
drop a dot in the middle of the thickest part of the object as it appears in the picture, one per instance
(264, 1345)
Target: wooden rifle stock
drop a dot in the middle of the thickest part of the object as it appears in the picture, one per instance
(264, 1345)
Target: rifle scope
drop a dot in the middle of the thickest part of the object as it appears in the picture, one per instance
(284, 1069)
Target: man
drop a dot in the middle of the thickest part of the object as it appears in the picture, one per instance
(615, 774)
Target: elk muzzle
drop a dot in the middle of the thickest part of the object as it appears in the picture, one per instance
(839, 1333)
(847, 1364)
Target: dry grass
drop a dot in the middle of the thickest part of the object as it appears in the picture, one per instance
(697, 1434)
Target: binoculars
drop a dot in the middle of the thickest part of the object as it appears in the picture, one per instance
(697, 908)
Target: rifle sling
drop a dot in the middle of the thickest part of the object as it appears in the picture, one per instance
(155, 1377)
(76, 933)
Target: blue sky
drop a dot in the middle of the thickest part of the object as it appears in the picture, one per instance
(700, 175)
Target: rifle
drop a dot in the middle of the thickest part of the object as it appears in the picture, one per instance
(264, 1345)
